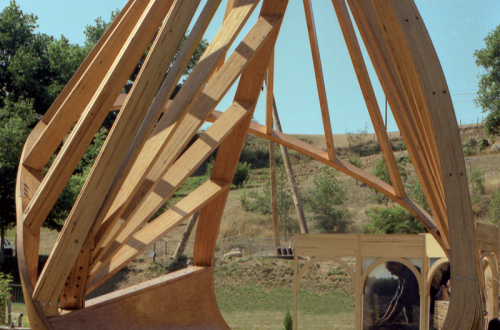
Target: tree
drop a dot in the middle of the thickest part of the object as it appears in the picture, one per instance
(488, 94)
(381, 172)
(33, 66)
(326, 201)
(392, 221)
(14, 121)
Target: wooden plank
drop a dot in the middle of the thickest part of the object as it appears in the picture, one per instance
(320, 81)
(487, 237)
(369, 95)
(79, 92)
(184, 102)
(178, 139)
(227, 158)
(270, 95)
(182, 169)
(73, 235)
(402, 246)
(326, 245)
(144, 306)
(161, 226)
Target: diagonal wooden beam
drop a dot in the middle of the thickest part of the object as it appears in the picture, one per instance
(178, 139)
(320, 81)
(73, 235)
(78, 93)
(369, 95)
(160, 227)
(182, 169)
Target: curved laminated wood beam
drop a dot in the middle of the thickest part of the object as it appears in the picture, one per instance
(412, 38)
(374, 40)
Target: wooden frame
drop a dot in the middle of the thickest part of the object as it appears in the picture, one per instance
(141, 154)
(382, 248)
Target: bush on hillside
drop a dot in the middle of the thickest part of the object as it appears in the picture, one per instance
(392, 221)
(241, 175)
(495, 208)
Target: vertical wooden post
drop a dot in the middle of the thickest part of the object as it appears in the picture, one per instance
(274, 194)
(291, 176)
(358, 286)
(20, 320)
(9, 311)
(296, 286)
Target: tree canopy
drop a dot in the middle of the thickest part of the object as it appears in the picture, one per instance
(488, 94)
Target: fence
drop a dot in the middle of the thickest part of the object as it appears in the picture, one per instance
(16, 294)
(249, 246)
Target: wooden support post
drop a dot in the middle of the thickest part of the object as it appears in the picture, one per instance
(185, 236)
(291, 176)
(274, 194)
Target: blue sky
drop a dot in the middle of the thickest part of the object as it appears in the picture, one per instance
(457, 28)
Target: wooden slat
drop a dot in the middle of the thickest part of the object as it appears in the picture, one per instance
(326, 245)
(178, 139)
(373, 38)
(74, 232)
(182, 169)
(270, 95)
(170, 122)
(248, 90)
(73, 100)
(157, 229)
(401, 246)
(320, 81)
(369, 95)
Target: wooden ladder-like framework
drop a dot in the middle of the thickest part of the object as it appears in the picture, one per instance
(140, 166)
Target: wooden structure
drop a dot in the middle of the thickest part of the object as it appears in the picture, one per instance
(367, 252)
(139, 166)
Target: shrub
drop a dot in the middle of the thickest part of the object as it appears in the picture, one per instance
(476, 184)
(417, 194)
(495, 208)
(482, 143)
(381, 172)
(5, 281)
(325, 202)
(392, 221)
(355, 160)
(178, 263)
(241, 175)
(470, 142)
(288, 322)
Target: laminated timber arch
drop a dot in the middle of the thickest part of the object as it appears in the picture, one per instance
(140, 166)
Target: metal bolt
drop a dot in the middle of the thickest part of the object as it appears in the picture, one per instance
(76, 241)
(76, 299)
(43, 304)
(472, 278)
(458, 277)
(50, 303)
